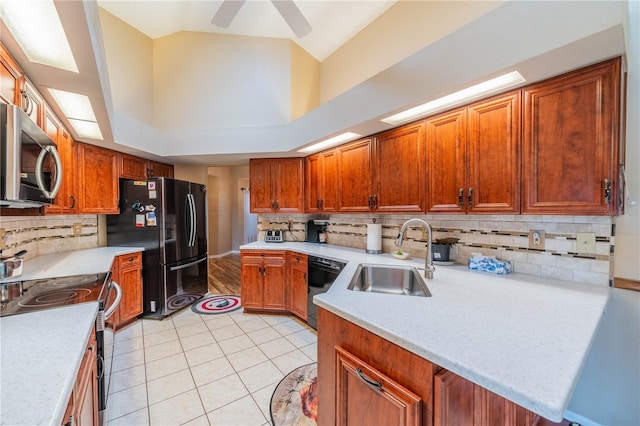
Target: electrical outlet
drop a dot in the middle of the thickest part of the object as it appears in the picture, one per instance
(77, 229)
(3, 241)
(536, 239)
(585, 242)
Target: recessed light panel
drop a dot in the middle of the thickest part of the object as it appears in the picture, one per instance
(481, 89)
(86, 129)
(36, 26)
(331, 142)
(74, 105)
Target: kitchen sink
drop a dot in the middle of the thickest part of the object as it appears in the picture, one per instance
(389, 279)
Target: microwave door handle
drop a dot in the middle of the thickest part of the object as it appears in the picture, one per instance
(39, 166)
(116, 302)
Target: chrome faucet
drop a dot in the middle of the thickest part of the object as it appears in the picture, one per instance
(428, 261)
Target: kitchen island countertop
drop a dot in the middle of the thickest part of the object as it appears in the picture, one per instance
(523, 337)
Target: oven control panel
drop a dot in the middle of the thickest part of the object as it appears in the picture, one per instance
(274, 236)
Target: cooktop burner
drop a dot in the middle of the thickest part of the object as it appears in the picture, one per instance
(54, 292)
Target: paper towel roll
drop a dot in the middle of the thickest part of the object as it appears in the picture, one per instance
(374, 238)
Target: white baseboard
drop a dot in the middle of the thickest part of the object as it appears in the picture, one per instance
(235, 251)
(573, 417)
(215, 256)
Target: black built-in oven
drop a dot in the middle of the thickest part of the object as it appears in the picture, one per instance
(322, 273)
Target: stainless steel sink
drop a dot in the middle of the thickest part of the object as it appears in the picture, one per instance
(389, 279)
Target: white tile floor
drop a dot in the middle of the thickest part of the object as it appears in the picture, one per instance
(204, 369)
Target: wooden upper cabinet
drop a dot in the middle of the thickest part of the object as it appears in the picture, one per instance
(132, 167)
(97, 180)
(446, 157)
(399, 170)
(571, 128)
(31, 101)
(355, 183)
(66, 199)
(157, 169)
(493, 155)
(277, 185)
(10, 74)
(474, 157)
(321, 182)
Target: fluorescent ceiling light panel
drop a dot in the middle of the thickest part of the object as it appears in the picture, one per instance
(331, 142)
(74, 105)
(490, 86)
(86, 129)
(36, 26)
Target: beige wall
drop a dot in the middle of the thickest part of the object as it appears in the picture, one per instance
(402, 30)
(220, 81)
(305, 82)
(131, 83)
(241, 180)
(191, 173)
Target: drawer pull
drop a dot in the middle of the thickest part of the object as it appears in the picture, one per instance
(377, 385)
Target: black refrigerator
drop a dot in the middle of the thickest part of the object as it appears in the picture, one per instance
(168, 218)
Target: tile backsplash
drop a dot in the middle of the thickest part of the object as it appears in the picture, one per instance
(504, 236)
(44, 235)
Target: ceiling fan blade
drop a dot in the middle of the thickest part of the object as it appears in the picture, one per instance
(227, 11)
(292, 15)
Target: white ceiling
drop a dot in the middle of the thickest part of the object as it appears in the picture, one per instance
(333, 22)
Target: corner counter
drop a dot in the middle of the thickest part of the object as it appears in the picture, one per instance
(523, 337)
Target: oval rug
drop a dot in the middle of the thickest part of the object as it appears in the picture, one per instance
(295, 399)
(218, 304)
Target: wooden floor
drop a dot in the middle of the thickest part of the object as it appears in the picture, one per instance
(224, 275)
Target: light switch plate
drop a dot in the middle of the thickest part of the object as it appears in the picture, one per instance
(536, 239)
(585, 242)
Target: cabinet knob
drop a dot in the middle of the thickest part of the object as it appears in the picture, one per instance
(470, 197)
(461, 197)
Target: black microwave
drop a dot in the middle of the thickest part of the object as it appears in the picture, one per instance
(31, 167)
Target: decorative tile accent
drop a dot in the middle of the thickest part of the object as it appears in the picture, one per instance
(44, 235)
(503, 236)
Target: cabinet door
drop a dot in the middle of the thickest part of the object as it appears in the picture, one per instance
(132, 167)
(366, 396)
(329, 176)
(10, 74)
(251, 281)
(160, 169)
(86, 388)
(570, 142)
(261, 200)
(98, 180)
(297, 288)
(446, 156)
(400, 170)
(130, 280)
(274, 296)
(453, 400)
(287, 176)
(493, 150)
(31, 102)
(313, 183)
(355, 187)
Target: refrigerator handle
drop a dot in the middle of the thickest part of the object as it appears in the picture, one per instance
(192, 235)
(177, 268)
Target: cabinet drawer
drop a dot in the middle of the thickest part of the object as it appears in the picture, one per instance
(297, 259)
(130, 260)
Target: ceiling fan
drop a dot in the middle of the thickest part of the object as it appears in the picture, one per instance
(287, 8)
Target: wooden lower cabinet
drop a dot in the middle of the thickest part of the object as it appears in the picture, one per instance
(263, 279)
(82, 408)
(366, 396)
(297, 286)
(127, 272)
(380, 360)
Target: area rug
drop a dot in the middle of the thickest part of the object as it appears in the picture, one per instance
(181, 300)
(295, 400)
(218, 304)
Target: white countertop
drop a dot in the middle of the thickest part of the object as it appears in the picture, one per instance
(80, 262)
(41, 352)
(522, 337)
(40, 356)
